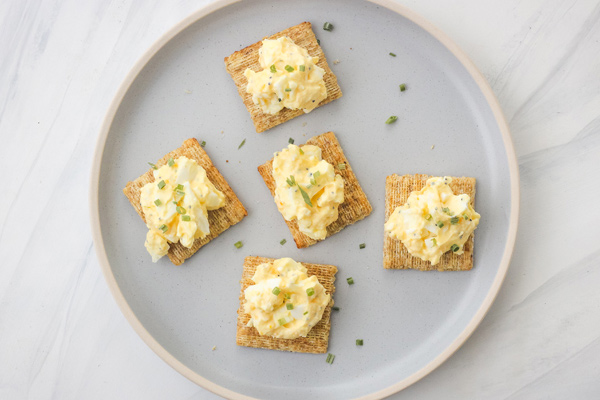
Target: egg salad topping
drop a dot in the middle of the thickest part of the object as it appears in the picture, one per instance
(176, 205)
(284, 302)
(307, 189)
(290, 78)
(433, 221)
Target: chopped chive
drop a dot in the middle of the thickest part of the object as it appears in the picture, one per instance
(152, 165)
(310, 291)
(275, 290)
(174, 202)
(179, 187)
(318, 42)
(289, 68)
(342, 166)
(359, 342)
(186, 218)
(350, 281)
(392, 54)
(287, 296)
(428, 217)
(454, 248)
(180, 192)
(305, 196)
(335, 308)
(330, 358)
(203, 143)
(289, 306)
(171, 162)
(273, 69)
(391, 119)
(283, 241)
(238, 244)
(327, 26)
(440, 224)
(157, 202)
(161, 184)
(300, 150)
(163, 228)
(454, 220)
(313, 182)
(241, 144)
(288, 89)
(181, 210)
(465, 216)
(301, 68)
(317, 174)
(291, 141)
(447, 211)
(402, 87)
(362, 246)
(305, 312)
(291, 180)
(434, 242)
(282, 321)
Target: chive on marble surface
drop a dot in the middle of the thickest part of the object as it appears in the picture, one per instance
(63, 335)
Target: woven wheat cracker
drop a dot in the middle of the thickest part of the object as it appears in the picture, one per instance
(317, 339)
(239, 61)
(355, 207)
(219, 220)
(395, 255)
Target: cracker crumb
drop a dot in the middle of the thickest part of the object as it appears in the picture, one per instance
(432, 146)
(188, 91)
(336, 62)
(222, 131)
(214, 348)
(304, 124)
(226, 160)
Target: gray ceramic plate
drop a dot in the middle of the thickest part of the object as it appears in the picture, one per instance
(410, 321)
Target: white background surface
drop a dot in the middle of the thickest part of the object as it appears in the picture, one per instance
(61, 333)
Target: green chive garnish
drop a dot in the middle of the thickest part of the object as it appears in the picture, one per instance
(186, 218)
(181, 210)
(289, 68)
(454, 248)
(305, 312)
(291, 141)
(305, 196)
(301, 68)
(392, 54)
(310, 291)
(241, 144)
(157, 202)
(238, 245)
(289, 306)
(454, 220)
(273, 69)
(402, 87)
(313, 182)
(291, 180)
(359, 342)
(335, 308)
(318, 42)
(152, 165)
(179, 187)
(171, 162)
(362, 246)
(350, 281)
(428, 217)
(317, 174)
(180, 192)
(163, 228)
(330, 358)
(288, 89)
(287, 296)
(301, 151)
(342, 166)
(202, 143)
(447, 211)
(327, 26)
(283, 241)
(391, 119)
(282, 321)
(161, 184)
(275, 290)
(440, 224)
(434, 242)
(465, 216)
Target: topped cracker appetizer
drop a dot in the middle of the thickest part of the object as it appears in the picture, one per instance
(185, 203)
(315, 189)
(428, 226)
(283, 76)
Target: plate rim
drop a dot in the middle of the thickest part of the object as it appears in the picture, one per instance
(184, 370)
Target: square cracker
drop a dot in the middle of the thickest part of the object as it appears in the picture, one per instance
(237, 63)
(355, 207)
(395, 255)
(219, 220)
(317, 339)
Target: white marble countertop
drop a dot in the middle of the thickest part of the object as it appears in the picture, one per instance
(61, 333)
